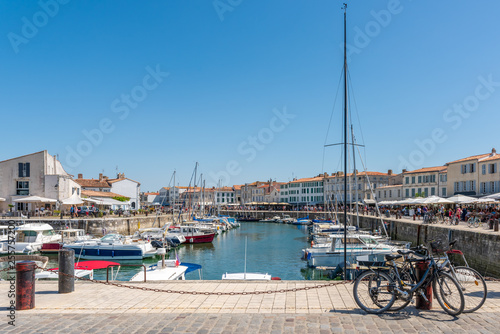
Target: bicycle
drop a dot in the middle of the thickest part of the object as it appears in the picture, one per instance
(430, 218)
(382, 290)
(473, 221)
(472, 282)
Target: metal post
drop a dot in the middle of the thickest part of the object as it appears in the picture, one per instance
(66, 270)
(25, 285)
(421, 303)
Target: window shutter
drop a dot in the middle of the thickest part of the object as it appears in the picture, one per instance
(20, 169)
(27, 169)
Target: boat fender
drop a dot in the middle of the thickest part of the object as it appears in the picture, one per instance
(312, 243)
(275, 279)
(112, 253)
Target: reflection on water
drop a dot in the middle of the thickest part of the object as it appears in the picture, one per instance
(272, 248)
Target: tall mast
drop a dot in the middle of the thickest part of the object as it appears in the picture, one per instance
(355, 173)
(345, 140)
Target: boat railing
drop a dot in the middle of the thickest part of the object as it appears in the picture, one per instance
(123, 265)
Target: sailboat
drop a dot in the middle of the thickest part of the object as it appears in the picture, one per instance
(347, 249)
(248, 276)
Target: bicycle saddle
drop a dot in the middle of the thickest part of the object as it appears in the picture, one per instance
(390, 257)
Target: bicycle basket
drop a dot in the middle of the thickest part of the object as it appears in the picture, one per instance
(437, 247)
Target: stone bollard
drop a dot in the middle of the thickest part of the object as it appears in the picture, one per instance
(496, 226)
(421, 303)
(66, 270)
(25, 285)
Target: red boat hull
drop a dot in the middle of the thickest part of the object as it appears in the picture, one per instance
(51, 247)
(198, 239)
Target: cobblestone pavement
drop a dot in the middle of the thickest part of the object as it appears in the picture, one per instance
(97, 308)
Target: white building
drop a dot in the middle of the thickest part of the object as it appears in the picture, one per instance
(36, 174)
(307, 191)
(224, 195)
(121, 186)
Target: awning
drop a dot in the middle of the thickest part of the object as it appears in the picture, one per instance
(72, 200)
(2, 199)
(35, 199)
(461, 199)
(110, 201)
(369, 201)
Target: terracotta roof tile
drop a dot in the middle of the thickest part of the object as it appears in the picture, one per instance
(93, 193)
(427, 170)
(91, 183)
(493, 157)
(474, 157)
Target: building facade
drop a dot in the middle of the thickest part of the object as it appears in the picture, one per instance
(306, 191)
(36, 174)
(424, 182)
(475, 175)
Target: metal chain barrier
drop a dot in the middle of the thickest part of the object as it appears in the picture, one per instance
(202, 293)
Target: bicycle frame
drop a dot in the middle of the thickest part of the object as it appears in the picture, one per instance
(424, 279)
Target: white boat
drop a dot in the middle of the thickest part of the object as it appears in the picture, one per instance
(172, 271)
(112, 246)
(247, 276)
(192, 233)
(358, 245)
(274, 219)
(67, 236)
(82, 269)
(30, 238)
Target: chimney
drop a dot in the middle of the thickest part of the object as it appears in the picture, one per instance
(389, 172)
(493, 151)
(100, 176)
(80, 176)
(404, 171)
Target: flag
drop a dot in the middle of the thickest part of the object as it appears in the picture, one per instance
(177, 262)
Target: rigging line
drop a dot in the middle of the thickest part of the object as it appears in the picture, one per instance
(331, 117)
(373, 194)
(357, 114)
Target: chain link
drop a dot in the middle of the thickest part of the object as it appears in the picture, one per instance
(7, 269)
(201, 292)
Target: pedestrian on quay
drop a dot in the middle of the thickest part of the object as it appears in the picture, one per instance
(72, 211)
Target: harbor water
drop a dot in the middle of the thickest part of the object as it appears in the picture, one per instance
(272, 248)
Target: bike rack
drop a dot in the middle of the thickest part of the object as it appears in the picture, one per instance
(124, 265)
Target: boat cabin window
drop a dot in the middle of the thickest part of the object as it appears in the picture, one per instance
(352, 241)
(370, 241)
(48, 232)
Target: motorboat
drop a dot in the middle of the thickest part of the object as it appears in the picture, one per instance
(112, 246)
(67, 236)
(193, 234)
(171, 271)
(287, 219)
(30, 238)
(247, 276)
(274, 219)
(357, 245)
(82, 269)
(302, 221)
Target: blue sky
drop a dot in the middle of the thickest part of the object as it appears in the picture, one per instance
(246, 88)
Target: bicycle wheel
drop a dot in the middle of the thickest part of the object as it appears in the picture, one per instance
(373, 292)
(473, 287)
(470, 223)
(448, 293)
(400, 302)
(476, 222)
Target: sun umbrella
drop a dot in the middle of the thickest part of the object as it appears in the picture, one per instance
(436, 200)
(2, 199)
(461, 199)
(72, 200)
(35, 199)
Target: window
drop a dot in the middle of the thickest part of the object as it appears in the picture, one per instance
(443, 192)
(420, 179)
(407, 193)
(493, 168)
(492, 187)
(24, 169)
(464, 185)
(482, 187)
(399, 192)
(483, 170)
(420, 190)
(433, 191)
(385, 194)
(413, 180)
(456, 186)
(464, 169)
(426, 192)
(413, 192)
(407, 180)
(472, 168)
(22, 188)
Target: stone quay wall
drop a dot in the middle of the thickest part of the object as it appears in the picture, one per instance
(99, 226)
(481, 247)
